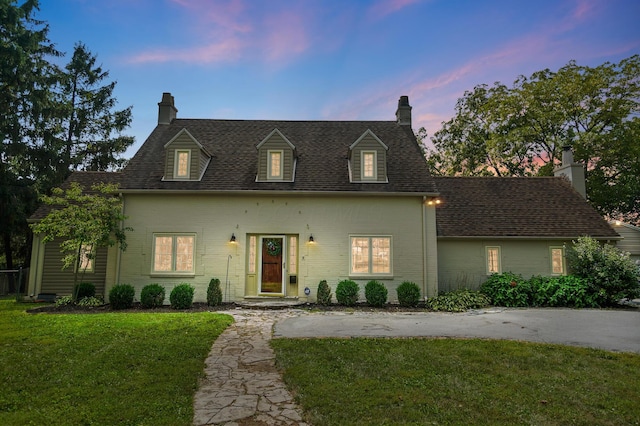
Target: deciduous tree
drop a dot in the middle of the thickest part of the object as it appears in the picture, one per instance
(520, 131)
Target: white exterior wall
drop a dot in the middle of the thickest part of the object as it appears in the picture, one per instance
(331, 220)
(463, 264)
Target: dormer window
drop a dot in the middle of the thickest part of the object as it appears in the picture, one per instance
(185, 158)
(182, 164)
(275, 164)
(276, 159)
(369, 161)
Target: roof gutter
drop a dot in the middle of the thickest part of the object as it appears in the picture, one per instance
(516, 237)
(271, 193)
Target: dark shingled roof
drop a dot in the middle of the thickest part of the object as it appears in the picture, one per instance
(515, 207)
(86, 181)
(322, 148)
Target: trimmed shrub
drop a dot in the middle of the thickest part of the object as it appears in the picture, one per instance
(121, 296)
(214, 292)
(507, 289)
(458, 301)
(181, 296)
(324, 293)
(82, 290)
(152, 296)
(408, 294)
(347, 292)
(376, 293)
(609, 271)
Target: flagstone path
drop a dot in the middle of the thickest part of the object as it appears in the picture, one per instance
(241, 384)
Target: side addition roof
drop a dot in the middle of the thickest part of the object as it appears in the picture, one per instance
(86, 181)
(528, 207)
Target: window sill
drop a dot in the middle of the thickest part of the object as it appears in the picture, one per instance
(371, 277)
(172, 274)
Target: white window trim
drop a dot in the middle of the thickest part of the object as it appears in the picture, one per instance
(486, 254)
(563, 264)
(173, 272)
(375, 165)
(270, 175)
(176, 164)
(370, 274)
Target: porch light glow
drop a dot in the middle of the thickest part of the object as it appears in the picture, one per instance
(311, 240)
(233, 238)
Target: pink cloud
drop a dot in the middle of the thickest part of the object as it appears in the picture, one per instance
(383, 8)
(238, 30)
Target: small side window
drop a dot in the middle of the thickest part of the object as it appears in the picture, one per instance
(494, 263)
(557, 261)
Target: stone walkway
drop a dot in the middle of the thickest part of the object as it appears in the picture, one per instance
(242, 385)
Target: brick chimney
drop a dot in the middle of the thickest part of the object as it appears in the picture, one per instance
(572, 171)
(166, 109)
(403, 113)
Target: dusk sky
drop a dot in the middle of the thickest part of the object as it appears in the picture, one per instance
(331, 59)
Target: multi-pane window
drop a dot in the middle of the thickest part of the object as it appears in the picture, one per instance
(182, 164)
(293, 255)
(370, 255)
(275, 165)
(368, 164)
(85, 262)
(173, 253)
(557, 260)
(493, 260)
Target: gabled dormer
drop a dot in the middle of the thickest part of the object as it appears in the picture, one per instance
(276, 159)
(185, 158)
(368, 159)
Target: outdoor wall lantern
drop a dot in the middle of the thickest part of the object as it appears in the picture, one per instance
(311, 240)
(233, 238)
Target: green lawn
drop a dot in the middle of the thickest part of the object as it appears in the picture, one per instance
(110, 368)
(459, 382)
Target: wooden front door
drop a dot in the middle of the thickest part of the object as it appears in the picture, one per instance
(272, 275)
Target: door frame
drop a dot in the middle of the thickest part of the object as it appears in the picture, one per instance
(283, 264)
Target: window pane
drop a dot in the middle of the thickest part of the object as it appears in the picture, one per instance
(557, 266)
(293, 255)
(381, 255)
(493, 261)
(86, 258)
(252, 254)
(368, 164)
(162, 253)
(276, 163)
(184, 254)
(183, 164)
(360, 255)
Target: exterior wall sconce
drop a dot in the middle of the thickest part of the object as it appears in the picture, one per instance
(433, 201)
(311, 240)
(233, 238)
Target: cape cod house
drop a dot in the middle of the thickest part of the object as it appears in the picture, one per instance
(271, 208)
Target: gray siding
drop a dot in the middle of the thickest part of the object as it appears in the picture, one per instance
(369, 143)
(631, 240)
(59, 281)
(276, 142)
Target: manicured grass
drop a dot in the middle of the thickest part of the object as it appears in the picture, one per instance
(447, 381)
(110, 368)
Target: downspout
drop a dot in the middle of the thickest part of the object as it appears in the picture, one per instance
(119, 255)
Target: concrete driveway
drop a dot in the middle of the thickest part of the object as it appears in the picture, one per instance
(603, 329)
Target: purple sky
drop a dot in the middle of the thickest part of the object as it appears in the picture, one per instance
(331, 59)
